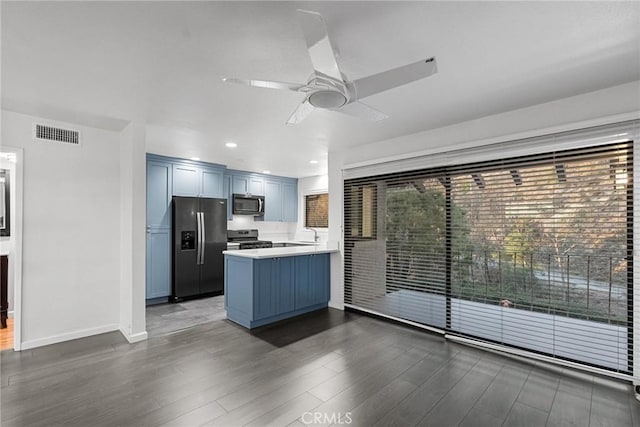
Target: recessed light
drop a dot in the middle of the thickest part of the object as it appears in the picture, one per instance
(231, 144)
(313, 162)
(266, 171)
(195, 158)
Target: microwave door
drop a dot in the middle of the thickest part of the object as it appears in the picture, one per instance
(246, 205)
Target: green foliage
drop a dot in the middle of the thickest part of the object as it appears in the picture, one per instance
(522, 240)
(416, 235)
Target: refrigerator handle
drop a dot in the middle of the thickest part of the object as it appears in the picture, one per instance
(203, 238)
(199, 241)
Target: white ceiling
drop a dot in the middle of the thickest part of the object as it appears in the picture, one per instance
(104, 63)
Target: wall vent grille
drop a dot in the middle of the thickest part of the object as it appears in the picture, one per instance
(50, 133)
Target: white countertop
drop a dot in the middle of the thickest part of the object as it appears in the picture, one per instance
(321, 248)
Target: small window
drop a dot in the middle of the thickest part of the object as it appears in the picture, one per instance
(316, 208)
(361, 209)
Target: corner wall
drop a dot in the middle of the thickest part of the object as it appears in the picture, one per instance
(132, 202)
(71, 244)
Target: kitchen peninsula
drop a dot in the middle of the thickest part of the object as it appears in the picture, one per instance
(263, 286)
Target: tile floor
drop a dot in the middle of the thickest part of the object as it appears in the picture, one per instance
(167, 318)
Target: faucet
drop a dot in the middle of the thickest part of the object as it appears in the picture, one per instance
(315, 234)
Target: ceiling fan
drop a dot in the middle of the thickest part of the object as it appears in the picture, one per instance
(328, 88)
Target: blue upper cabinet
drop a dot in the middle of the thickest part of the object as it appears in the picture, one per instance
(280, 193)
(212, 183)
(273, 200)
(289, 201)
(256, 185)
(281, 200)
(243, 183)
(159, 177)
(198, 181)
(239, 184)
(186, 180)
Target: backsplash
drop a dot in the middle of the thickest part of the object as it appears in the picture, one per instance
(267, 230)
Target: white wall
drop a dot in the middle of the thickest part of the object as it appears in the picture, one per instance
(7, 243)
(310, 185)
(576, 112)
(132, 176)
(550, 117)
(71, 261)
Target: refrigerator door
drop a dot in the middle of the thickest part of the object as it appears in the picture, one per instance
(214, 219)
(186, 247)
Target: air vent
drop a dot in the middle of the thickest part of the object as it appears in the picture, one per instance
(50, 133)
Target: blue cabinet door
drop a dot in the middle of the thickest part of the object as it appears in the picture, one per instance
(284, 281)
(186, 181)
(312, 280)
(304, 290)
(256, 186)
(320, 278)
(289, 202)
(273, 201)
(158, 280)
(159, 194)
(240, 184)
(274, 291)
(264, 298)
(158, 254)
(212, 183)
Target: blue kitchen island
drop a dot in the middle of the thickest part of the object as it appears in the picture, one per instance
(263, 286)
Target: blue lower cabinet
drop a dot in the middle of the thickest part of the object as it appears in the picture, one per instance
(312, 273)
(263, 291)
(158, 274)
(273, 291)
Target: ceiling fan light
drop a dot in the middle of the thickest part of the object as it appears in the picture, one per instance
(327, 99)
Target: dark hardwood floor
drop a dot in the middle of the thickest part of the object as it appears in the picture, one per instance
(327, 367)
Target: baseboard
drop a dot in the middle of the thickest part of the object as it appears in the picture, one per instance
(10, 314)
(141, 336)
(83, 333)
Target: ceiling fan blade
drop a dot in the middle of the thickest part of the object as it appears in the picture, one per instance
(321, 52)
(301, 113)
(362, 111)
(386, 80)
(268, 84)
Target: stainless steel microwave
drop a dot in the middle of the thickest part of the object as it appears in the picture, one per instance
(247, 204)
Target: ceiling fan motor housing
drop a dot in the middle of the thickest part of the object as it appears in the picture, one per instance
(327, 99)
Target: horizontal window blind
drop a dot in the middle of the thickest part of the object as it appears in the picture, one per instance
(533, 252)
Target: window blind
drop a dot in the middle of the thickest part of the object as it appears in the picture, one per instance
(533, 252)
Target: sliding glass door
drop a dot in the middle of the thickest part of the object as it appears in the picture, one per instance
(531, 252)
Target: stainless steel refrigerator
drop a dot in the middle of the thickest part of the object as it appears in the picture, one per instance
(199, 237)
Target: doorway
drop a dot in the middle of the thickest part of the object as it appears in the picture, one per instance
(11, 190)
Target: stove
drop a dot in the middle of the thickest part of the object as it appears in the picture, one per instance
(248, 239)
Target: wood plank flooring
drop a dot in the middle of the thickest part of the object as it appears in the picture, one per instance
(326, 367)
(6, 335)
